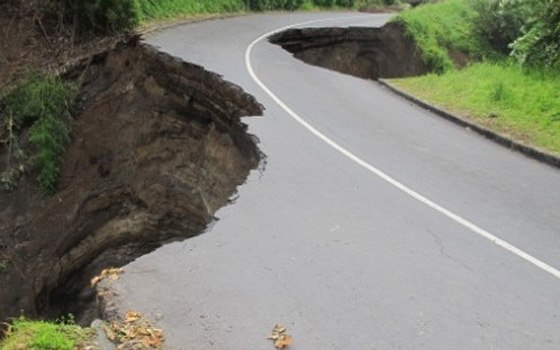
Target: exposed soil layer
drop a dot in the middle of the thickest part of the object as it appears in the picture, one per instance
(158, 147)
(364, 52)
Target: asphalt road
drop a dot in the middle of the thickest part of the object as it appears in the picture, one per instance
(345, 258)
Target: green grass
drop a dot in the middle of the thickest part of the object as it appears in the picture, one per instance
(503, 96)
(156, 9)
(43, 103)
(440, 27)
(24, 334)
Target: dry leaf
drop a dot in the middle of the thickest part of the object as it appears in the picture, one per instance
(111, 273)
(135, 333)
(280, 338)
(132, 316)
(283, 342)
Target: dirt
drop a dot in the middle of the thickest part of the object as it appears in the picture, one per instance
(370, 53)
(29, 40)
(158, 147)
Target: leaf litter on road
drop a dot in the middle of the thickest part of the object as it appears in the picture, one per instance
(111, 273)
(135, 333)
(280, 338)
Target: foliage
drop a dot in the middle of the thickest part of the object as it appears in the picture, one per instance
(43, 103)
(263, 5)
(324, 3)
(440, 27)
(373, 5)
(501, 22)
(521, 102)
(25, 334)
(540, 44)
(415, 3)
(155, 9)
(103, 16)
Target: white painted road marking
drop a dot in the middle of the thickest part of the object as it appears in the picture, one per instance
(448, 213)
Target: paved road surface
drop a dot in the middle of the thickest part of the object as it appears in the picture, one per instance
(341, 256)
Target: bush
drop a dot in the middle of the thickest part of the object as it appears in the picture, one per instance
(324, 3)
(501, 22)
(415, 3)
(104, 16)
(156, 9)
(345, 3)
(540, 44)
(265, 5)
(293, 4)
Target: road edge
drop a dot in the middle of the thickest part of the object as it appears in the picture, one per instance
(527, 150)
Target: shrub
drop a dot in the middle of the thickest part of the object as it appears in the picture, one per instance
(156, 9)
(324, 3)
(540, 44)
(501, 22)
(265, 5)
(293, 4)
(415, 3)
(104, 16)
(345, 3)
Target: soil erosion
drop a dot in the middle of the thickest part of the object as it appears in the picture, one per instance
(364, 52)
(157, 148)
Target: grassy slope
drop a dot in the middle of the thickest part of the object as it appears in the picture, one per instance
(501, 96)
(439, 28)
(497, 94)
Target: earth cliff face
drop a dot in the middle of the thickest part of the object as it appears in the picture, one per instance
(158, 147)
(364, 52)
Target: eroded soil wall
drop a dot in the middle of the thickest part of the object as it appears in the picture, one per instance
(364, 52)
(158, 147)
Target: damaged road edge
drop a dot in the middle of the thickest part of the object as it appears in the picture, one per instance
(158, 147)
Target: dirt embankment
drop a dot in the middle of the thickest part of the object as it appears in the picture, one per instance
(158, 147)
(364, 52)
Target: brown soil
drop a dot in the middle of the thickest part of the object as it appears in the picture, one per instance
(28, 40)
(369, 53)
(158, 147)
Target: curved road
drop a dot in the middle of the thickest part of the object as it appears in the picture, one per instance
(324, 243)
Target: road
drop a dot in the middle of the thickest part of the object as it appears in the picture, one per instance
(366, 228)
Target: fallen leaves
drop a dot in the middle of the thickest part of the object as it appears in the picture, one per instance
(135, 333)
(280, 338)
(111, 273)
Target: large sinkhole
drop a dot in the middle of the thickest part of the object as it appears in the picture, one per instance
(365, 52)
(158, 147)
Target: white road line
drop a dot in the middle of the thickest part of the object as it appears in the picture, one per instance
(448, 213)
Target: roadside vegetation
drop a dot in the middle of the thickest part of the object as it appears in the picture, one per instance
(37, 110)
(40, 104)
(512, 83)
(24, 334)
(112, 16)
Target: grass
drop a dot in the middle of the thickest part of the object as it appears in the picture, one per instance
(24, 334)
(42, 103)
(155, 9)
(524, 104)
(440, 27)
